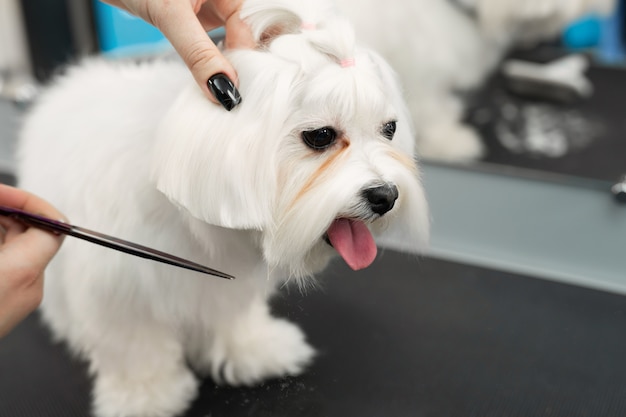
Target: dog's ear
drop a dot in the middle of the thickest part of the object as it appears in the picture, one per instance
(217, 165)
(269, 19)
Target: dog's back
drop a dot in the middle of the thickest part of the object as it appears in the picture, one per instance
(86, 146)
(92, 120)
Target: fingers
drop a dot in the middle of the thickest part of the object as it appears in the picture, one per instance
(23, 200)
(238, 33)
(10, 229)
(185, 23)
(24, 255)
(214, 13)
(198, 51)
(16, 304)
(30, 247)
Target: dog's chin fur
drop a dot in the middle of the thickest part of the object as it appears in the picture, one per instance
(137, 151)
(441, 47)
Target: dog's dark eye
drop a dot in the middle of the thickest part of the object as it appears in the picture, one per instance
(319, 139)
(389, 129)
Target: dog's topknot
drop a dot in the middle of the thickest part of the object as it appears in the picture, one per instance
(334, 37)
(274, 17)
(312, 22)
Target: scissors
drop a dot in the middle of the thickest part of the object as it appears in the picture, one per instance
(111, 242)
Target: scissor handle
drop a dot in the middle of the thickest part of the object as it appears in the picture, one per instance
(40, 222)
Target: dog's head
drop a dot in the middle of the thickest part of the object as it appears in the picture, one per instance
(318, 157)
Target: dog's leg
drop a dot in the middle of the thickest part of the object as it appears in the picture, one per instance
(140, 371)
(253, 346)
(440, 133)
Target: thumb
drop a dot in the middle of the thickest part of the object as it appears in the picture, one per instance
(214, 74)
(34, 248)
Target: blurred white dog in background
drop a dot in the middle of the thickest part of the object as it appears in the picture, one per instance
(441, 47)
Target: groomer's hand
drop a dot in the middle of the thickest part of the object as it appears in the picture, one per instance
(185, 23)
(24, 254)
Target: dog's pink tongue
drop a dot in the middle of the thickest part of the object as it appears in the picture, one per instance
(354, 242)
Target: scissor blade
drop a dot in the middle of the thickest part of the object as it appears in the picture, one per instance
(142, 251)
(108, 241)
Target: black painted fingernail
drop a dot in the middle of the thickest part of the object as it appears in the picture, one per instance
(224, 91)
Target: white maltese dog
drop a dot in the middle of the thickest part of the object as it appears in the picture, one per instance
(315, 161)
(442, 47)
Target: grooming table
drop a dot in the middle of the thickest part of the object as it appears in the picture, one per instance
(406, 337)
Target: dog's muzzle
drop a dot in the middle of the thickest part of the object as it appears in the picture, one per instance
(351, 237)
(382, 198)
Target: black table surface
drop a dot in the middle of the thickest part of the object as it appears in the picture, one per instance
(407, 337)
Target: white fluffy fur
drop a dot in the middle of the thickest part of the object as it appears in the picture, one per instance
(138, 152)
(439, 49)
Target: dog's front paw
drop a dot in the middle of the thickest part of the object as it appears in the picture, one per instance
(160, 394)
(257, 351)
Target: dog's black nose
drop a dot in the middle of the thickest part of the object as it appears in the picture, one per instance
(381, 199)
